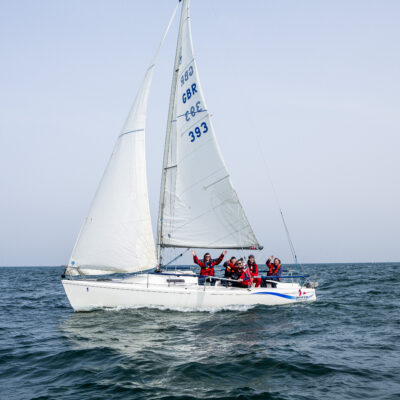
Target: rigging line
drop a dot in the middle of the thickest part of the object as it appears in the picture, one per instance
(291, 246)
(174, 259)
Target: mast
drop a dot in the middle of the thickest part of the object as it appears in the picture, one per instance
(168, 133)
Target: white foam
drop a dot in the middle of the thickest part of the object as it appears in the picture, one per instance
(211, 310)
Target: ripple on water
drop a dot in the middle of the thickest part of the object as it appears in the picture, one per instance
(345, 345)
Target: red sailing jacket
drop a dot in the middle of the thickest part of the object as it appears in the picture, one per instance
(207, 269)
(273, 270)
(253, 268)
(246, 276)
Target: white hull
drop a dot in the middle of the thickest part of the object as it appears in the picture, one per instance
(176, 292)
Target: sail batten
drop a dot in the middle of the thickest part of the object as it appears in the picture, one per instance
(199, 207)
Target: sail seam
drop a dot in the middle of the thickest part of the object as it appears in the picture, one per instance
(188, 63)
(194, 123)
(127, 133)
(194, 112)
(200, 180)
(214, 183)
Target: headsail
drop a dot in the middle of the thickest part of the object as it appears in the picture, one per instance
(117, 234)
(198, 206)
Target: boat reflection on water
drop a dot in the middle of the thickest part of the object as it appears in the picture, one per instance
(189, 336)
(209, 354)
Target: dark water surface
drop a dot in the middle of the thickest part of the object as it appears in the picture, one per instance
(344, 346)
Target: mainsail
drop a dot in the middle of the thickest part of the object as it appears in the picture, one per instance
(117, 234)
(198, 204)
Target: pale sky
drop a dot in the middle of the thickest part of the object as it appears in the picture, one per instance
(314, 84)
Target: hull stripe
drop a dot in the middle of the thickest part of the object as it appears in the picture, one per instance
(286, 296)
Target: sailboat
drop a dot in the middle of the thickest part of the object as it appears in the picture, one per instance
(198, 208)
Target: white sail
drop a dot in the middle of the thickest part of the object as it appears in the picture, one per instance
(117, 235)
(199, 206)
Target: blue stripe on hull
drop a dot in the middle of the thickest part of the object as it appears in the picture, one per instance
(286, 296)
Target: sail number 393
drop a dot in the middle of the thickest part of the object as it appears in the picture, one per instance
(198, 131)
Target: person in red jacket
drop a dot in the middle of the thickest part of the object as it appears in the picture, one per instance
(275, 269)
(207, 266)
(251, 263)
(230, 267)
(245, 278)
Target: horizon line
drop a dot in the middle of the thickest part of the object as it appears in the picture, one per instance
(305, 263)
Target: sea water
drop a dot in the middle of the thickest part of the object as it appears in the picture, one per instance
(346, 345)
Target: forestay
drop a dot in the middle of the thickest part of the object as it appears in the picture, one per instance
(117, 235)
(199, 206)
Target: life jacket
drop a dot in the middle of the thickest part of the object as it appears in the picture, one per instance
(229, 269)
(273, 269)
(236, 274)
(207, 269)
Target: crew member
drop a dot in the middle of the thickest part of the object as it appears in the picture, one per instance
(237, 272)
(245, 278)
(229, 267)
(207, 266)
(251, 263)
(275, 270)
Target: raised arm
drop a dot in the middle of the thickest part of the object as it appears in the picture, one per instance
(270, 265)
(219, 259)
(195, 258)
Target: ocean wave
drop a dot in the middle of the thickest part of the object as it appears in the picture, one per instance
(342, 346)
(211, 310)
